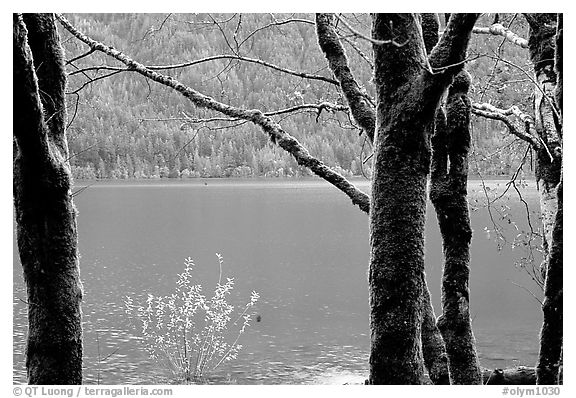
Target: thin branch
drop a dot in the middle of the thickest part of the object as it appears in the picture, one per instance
(327, 106)
(276, 23)
(81, 152)
(359, 51)
(223, 34)
(75, 111)
(80, 190)
(87, 53)
(529, 76)
(273, 129)
(441, 69)
(214, 58)
(318, 108)
(211, 22)
(499, 53)
(153, 30)
(514, 176)
(365, 37)
(528, 290)
(187, 143)
(238, 25)
(532, 233)
(92, 80)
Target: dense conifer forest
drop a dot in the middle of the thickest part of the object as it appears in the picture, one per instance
(123, 126)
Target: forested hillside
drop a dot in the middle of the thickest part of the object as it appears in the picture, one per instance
(123, 126)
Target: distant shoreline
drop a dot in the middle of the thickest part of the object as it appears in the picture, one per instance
(263, 178)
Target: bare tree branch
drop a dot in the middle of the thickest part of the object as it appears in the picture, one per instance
(492, 74)
(529, 134)
(359, 51)
(273, 129)
(214, 58)
(275, 23)
(365, 37)
(210, 22)
(87, 53)
(92, 80)
(500, 30)
(152, 30)
(318, 108)
(536, 84)
(223, 34)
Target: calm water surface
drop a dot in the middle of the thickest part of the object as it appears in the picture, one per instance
(301, 245)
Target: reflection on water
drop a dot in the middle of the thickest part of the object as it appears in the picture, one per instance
(301, 245)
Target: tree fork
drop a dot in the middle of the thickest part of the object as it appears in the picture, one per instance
(407, 97)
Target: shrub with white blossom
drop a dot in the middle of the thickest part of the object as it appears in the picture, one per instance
(188, 332)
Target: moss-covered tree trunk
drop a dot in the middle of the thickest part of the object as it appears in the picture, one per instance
(433, 349)
(45, 214)
(448, 193)
(549, 158)
(551, 337)
(408, 93)
(433, 346)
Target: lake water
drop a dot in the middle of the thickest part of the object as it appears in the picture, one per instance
(301, 245)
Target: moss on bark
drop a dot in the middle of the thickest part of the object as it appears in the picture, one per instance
(451, 143)
(45, 214)
(407, 97)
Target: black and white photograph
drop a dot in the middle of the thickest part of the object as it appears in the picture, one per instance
(260, 198)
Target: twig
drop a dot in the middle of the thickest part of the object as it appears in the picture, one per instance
(276, 23)
(82, 151)
(223, 34)
(528, 290)
(80, 190)
(371, 40)
(499, 53)
(153, 30)
(87, 53)
(75, 111)
(529, 76)
(188, 143)
(360, 52)
(92, 80)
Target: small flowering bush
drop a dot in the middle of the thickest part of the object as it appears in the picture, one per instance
(188, 332)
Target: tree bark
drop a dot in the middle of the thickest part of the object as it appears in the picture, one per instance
(407, 97)
(448, 193)
(548, 369)
(551, 337)
(330, 45)
(433, 346)
(541, 45)
(45, 214)
(434, 352)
